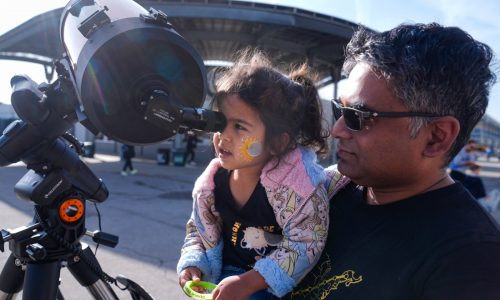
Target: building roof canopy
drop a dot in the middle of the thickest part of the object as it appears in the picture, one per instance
(217, 29)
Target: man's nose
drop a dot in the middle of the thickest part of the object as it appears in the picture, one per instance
(339, 129)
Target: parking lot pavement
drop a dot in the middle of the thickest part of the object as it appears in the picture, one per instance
(148, 212)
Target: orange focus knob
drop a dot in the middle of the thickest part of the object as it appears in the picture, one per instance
(71, 210)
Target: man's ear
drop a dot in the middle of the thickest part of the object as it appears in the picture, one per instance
(441, 136)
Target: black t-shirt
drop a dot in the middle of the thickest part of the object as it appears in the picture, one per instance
(249, 231)
(438, 245)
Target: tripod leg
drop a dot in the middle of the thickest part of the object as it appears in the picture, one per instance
(41, 280)
(11, 279)
(86, 275)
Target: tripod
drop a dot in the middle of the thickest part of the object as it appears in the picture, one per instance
(59, 190)
(59, 184)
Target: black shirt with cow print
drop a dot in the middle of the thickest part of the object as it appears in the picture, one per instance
(248, 232)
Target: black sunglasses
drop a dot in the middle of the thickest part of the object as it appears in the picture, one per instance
(355, 119)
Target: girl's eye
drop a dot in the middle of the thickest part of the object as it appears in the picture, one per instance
(239, 127)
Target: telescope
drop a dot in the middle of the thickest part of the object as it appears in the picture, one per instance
(137, 79)
(124, 72)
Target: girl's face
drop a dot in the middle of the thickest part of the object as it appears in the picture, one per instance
(241, 144)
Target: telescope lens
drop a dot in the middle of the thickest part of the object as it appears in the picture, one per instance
(117, 83)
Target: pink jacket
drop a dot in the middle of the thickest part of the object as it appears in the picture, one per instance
(297, 192)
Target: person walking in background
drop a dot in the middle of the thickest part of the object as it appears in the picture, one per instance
(260, 209)
(127, 153)
(191, 140)
(403, 229)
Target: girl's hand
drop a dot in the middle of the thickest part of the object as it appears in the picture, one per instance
(239, 287)
(191, 273)
(232, 288)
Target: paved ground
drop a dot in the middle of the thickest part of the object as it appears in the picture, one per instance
(148, 212)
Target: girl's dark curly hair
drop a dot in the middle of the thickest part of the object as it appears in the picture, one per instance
(285, 103)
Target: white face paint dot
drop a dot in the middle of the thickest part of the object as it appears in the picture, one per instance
(255, 149)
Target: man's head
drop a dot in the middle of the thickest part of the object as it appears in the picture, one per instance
(421, 90)
(430, 68)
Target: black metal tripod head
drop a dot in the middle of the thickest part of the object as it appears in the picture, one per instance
(58, 182)
(46, 114)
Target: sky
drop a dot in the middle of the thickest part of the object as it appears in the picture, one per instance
(478, 18)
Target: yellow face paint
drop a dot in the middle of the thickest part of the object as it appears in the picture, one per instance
(250, 148)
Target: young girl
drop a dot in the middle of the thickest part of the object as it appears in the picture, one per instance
(260, 208)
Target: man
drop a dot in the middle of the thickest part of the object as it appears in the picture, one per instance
(403, 229)
(128, 152)
(191, 142)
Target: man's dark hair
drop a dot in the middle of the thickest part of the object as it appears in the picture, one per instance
(431, 68)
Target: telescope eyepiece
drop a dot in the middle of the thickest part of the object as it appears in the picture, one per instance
(202, 119)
